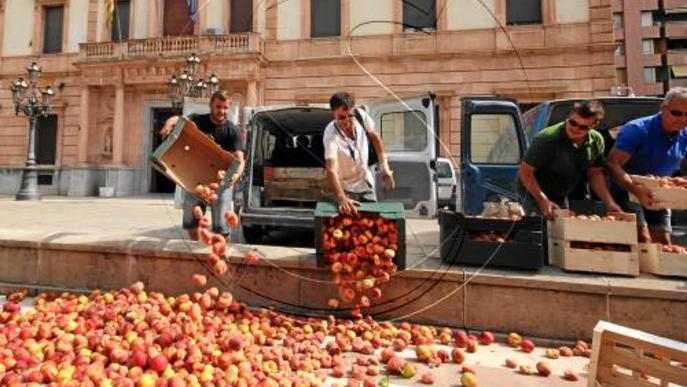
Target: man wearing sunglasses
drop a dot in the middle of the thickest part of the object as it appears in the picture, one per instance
(557, 158)
(653, 145)
(346, 154)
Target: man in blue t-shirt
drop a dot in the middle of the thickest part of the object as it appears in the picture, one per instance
(653, 145)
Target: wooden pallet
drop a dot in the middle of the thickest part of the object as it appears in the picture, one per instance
(653, 260)
(302, 184)
(624, 357)
(675, 198)
(623, 230)
(561, 254)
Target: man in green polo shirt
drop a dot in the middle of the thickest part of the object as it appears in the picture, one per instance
(557, 158)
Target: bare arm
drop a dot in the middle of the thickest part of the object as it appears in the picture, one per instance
(614, 165)
(597, 182)
(346, 205)
(526, 176)
(238, 155)
(168, 126)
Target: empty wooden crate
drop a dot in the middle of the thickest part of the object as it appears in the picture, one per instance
(189, 157)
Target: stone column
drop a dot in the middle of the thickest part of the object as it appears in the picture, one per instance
(252, 93)
(118, 126)
(83, 126)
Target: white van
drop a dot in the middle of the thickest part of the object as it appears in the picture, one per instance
(285, 175)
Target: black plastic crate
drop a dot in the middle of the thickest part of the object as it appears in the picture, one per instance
(391, 211)
(525, 248)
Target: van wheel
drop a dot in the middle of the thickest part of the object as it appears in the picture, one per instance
(252, 235)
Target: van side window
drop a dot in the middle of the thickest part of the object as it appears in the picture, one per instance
(494, 139)
(404, 131)
(444, 170)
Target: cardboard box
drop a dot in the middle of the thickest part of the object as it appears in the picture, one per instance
(189, 157)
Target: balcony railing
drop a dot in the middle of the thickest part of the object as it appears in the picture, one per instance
(171, 46)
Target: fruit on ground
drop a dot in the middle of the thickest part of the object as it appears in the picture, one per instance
(468, 379)
(457, 355)
(510, 363)
(514, 340)
(570, 376)
(408, 371)
(427, 378)
(472, 346)
(486, 338)
(527, 346)
(543, 368)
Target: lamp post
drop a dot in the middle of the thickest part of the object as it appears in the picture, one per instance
(187, 84)
(27, 101)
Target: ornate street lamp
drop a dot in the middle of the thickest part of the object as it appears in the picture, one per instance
(32, 107)
(188, 84)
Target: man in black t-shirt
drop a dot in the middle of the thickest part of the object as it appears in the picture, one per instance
(217, 126)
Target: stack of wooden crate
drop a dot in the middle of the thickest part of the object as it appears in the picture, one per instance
(654, 259)
(594, 245)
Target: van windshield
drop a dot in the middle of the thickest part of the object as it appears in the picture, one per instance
(292, 137)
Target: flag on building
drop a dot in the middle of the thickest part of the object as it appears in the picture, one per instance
(192, 9)
(109, 11)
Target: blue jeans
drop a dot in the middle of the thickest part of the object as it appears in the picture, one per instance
(224, 203)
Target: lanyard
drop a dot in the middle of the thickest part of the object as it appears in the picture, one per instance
(351, 149)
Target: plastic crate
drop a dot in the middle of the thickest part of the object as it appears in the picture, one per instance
(391, 211)
(525, 248)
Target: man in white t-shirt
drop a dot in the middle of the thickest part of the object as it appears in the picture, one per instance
(346, 154)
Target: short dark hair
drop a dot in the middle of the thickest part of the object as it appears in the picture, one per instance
(589, 109)
(340, 99)
(221, 95)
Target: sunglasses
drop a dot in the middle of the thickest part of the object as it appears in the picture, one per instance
(343, 118)
(678, 114)
(576, 124)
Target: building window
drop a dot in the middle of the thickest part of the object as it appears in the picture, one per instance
(177, 20)
(46, 139)
(523, 12)
(621, 76)
(620, 50)
(649, 75)
(52, 30)
(618, 21)
(419, 15)
(647, 19)
(241, 16)
(325, 18)
(120, 21)
(647, 46)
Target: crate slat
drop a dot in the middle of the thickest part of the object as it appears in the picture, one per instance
(561, 254)
(653, 260)
(622, 231)
(675, 198)
(615, 345)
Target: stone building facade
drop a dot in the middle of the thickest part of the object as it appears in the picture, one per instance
(111, 84)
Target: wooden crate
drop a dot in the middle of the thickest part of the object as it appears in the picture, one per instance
(623, 230)
(385, 210)
(189, 157)
(653, 260)
(563, 255)
(674, 198)
(524, 249)
(293, 183)
(625, 357)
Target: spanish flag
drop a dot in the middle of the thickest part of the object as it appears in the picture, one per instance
(109, 11)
